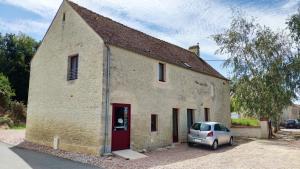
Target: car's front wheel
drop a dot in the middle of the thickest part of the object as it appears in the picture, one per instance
(215, 145)
(231, 141)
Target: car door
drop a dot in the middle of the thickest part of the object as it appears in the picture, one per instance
(226, 134)
(219, 133)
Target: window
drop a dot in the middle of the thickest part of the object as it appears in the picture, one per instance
(201, 127)
(73, 67)
(206, 114)
(64, 17)
(121, 119)
(205, 127)
(196, 126)
(217, 127)
(153, 122)
(161, 72)
(223, 128)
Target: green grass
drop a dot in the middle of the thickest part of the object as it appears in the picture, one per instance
(245, 122)
(19, 127)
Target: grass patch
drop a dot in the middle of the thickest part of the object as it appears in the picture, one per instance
(19, 127)
(245, 122)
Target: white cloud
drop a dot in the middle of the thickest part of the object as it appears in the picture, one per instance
(180, 22)
(28, 26)
(45, 8)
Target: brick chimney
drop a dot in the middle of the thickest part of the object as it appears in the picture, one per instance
(195, 49)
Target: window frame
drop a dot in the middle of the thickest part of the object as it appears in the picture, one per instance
(161, 73)
(71, 77)
(154, 116)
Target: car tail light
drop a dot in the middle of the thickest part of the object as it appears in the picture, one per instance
(210, 134)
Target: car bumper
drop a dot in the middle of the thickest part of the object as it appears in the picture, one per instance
(205, 141)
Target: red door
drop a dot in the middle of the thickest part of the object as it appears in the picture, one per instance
(120, 127)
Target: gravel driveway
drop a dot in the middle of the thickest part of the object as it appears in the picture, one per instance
(280, 153)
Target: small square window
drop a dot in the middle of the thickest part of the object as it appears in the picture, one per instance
(73, 67)
(153, 122)
(161, 72)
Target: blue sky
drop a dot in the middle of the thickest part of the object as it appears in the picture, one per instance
(184, 23)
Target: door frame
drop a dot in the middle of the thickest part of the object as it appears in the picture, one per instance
(114, 105)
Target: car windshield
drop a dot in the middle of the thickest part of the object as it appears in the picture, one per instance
(201, 127)
(291, 121)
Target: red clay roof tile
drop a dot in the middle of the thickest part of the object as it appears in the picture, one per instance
(116, 34)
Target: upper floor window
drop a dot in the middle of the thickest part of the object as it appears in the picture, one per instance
(73, 67)
(161, 72)
(64, 17)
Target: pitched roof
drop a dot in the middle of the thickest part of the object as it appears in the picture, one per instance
(116, 34)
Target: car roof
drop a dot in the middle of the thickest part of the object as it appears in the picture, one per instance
(209, 122)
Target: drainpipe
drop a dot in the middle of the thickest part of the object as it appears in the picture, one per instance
(107, 87)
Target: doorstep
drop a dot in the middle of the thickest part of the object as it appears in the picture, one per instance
(129, 154)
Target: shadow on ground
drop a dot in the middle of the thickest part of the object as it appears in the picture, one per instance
(285, 139)
(37, 160)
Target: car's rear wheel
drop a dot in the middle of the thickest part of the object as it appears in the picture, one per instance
(215, 145)
(190, 144)
(231, 141)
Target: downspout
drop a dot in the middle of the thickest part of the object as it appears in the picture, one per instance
(107, 87)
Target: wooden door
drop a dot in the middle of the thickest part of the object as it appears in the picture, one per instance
(190, 118)
(120, 127)
(206, 114)
(175, 125)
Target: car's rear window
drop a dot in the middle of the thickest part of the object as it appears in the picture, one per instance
(201, 126)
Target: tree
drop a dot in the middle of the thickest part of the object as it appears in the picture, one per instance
(16, 52)
(265, 70)
(5, 91)
(294, 27)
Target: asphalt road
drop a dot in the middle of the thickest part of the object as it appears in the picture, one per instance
(18, 158)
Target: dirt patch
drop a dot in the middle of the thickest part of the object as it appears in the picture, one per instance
(12, 137)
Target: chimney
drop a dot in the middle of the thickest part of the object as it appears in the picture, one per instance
(195, 49)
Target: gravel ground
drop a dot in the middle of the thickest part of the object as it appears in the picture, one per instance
(281, 153)
(12, 137)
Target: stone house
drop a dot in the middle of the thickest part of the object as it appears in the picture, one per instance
(97, 86)
(291, 112)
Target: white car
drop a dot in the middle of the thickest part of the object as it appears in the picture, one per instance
(209, 133)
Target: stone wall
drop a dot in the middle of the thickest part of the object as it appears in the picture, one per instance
(68, 110)
(134, 81)
(291, 112)
(252, 132)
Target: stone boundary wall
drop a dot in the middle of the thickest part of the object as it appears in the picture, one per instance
(250, 131)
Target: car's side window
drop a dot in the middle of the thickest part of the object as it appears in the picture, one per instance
(223, 128)
(196, 126)
(227, 130)
(217, 127)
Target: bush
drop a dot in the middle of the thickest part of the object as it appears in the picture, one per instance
(245, 122)
(6, 92)
(6, 120)
(17, 112)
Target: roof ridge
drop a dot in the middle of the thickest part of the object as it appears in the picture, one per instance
(121, 35)
(132, 28)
